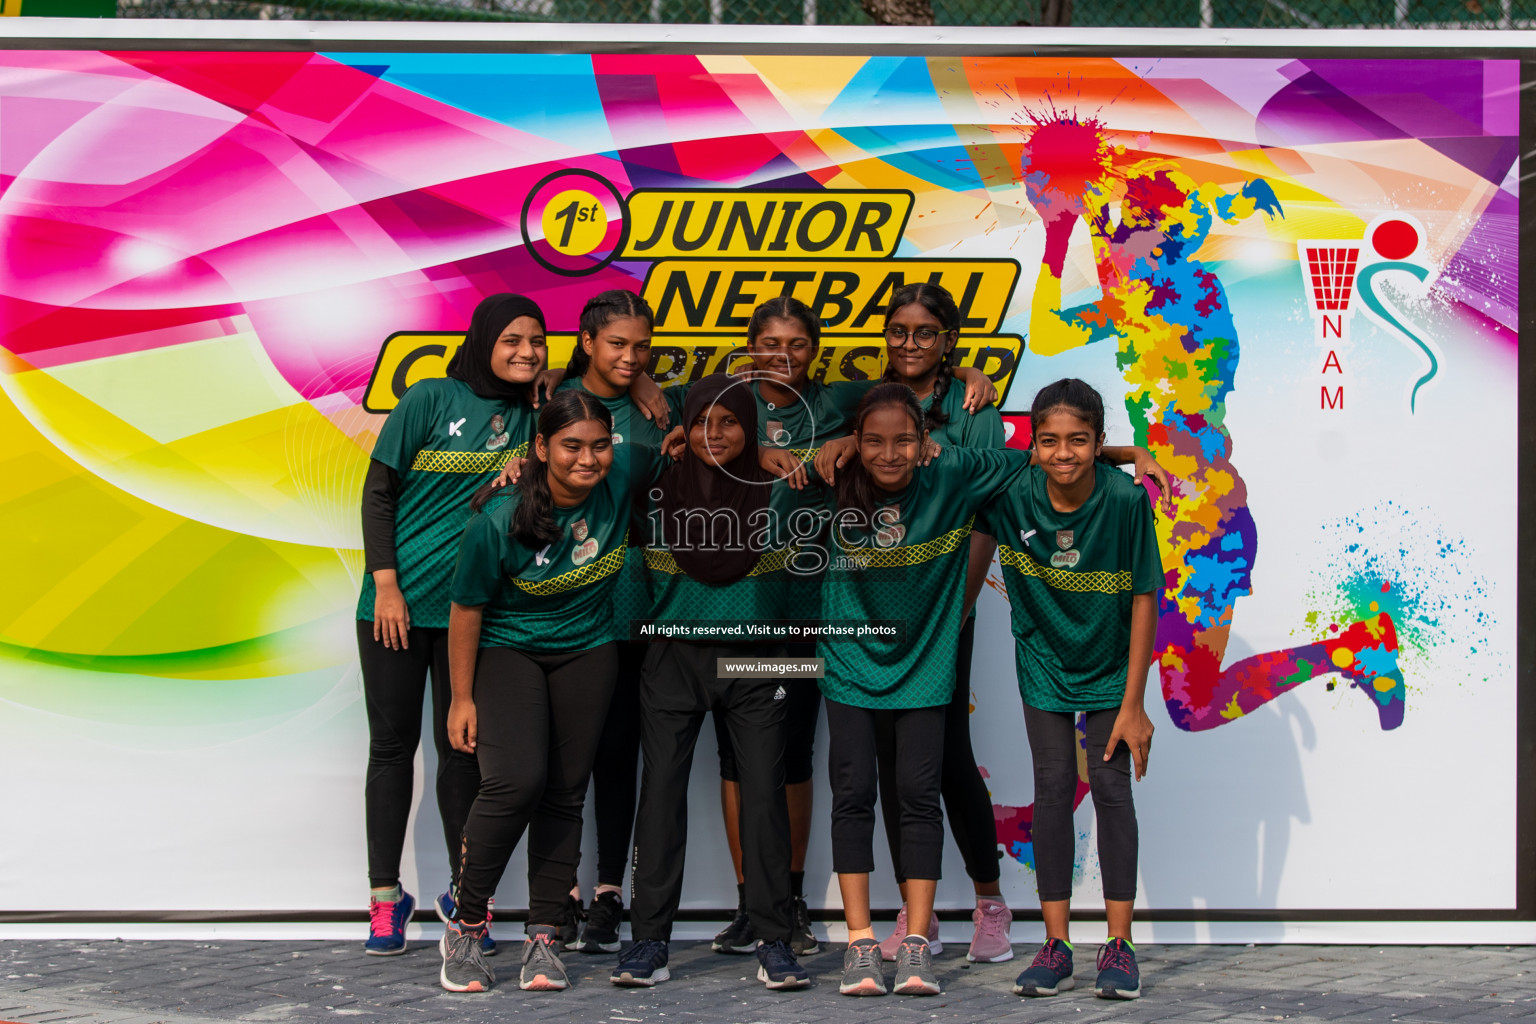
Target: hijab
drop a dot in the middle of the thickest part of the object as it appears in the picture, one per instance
(741, 485)
(472, 362)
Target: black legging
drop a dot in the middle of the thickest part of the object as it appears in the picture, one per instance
(1053, 745)
(918, 738)
(616, 772)
(394, 683)
(539, 718)
(966, 800)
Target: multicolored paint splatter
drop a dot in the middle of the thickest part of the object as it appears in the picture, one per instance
(1178, 350)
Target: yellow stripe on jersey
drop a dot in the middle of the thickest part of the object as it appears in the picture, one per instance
(1065, 579)
(609, 564)
(768, 561)
(872, 557)
(465, 462)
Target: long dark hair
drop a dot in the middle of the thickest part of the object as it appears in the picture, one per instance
(1073, 395)
(601, 310)
(936, 300)
(533, 522)
(784, 307)
(855, 487)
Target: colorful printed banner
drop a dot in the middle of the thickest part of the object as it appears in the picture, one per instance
(221, 268)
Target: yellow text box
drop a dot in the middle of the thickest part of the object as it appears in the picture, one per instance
(829, 224)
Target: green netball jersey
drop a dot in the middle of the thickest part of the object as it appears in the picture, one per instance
(443, 441)
(631, 598)
(1070, 579)
(911, 570)
(560, 597)
(782, 585)
(983, 429)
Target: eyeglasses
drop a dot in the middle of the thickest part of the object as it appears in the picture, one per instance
(923, 337)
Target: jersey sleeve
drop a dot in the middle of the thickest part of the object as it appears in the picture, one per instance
(984, 474)
(477, 577)
(1146, 559)
(406, 429)
(847, 394)
(676, 395)
(983, 428)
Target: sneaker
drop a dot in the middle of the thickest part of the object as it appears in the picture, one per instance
(447, 904)
(777, 967)
(863, 969)
(542, 969)
(1051, 971)
(738, 936)
(464, 966)
(989, 942)
(601, 932)
(914, 968)
(386, 925)
(889, 947)
(801, 939)
(644, 963)
(569, 936)
(1119, 977)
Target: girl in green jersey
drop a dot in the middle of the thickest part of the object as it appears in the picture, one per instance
(532, 658)
(901, 542)
(1081, 563)
(445, 438)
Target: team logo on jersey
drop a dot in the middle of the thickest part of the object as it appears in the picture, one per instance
(579, 530)
(618, 438)
(1065, 559)
(1064, 539)
(777, 434)
(499, 436)
(585, 552)
(893, 532)
(498, 424)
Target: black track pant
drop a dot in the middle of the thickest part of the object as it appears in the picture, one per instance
(616, 772)
(539, 718)
(1053, 744)
(394, 683)
(918, 735)
(679, 686)
(966, 800)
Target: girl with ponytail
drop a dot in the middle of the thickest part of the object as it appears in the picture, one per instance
(901, 543)
(532, 654)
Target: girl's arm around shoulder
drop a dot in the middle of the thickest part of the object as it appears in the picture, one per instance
(483, 547)
(981, 474)
(408, 426)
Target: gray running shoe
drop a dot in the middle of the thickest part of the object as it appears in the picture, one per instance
(914, 968)
(542, 969)
(863, 969)
(464, 966)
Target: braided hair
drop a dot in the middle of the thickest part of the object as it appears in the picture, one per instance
(935, 299)
(601, 310)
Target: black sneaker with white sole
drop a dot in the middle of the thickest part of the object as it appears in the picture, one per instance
(777, 967)
(643, 964)
(601, 932)
(738, 936)
(801, 939)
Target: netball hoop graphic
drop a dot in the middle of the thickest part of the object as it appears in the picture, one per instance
(1336, 272)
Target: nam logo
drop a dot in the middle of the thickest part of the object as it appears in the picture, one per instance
(409, 356)
(1340, 276)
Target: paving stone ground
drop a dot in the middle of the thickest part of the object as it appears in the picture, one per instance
(161, 982)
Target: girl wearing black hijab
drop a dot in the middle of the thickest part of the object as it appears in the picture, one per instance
(446, 437)
(720, 550)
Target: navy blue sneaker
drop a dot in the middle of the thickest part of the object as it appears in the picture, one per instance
(446, 906)
(778, 968)
(643, 964)
(386, 925)
(1119, 977)
(1049, 973)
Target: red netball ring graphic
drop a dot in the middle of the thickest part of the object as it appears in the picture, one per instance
(1395, 239)
(573, 222)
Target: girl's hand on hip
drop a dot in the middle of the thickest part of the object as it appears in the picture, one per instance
(1134, 729)
(463, 726)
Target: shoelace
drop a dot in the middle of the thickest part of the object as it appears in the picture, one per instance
(777, 955)
(465, 946)
(866, 957)
(542, 952)
(1051, 956)
(381, 918)
(1116, 955)
(911, 953)
(645, 950)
